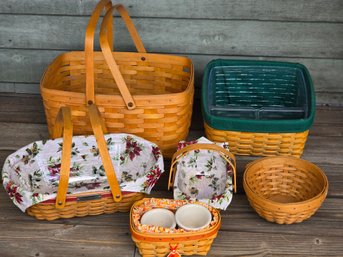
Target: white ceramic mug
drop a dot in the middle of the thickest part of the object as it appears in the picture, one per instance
(193, 217)
(159, 217)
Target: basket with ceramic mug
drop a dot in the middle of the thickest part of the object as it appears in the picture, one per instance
(166, 226)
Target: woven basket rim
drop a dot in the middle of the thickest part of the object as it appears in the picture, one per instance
(318, 197)
(138, 97)
(102, 194)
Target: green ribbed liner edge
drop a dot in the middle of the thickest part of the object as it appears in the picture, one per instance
(257, 126)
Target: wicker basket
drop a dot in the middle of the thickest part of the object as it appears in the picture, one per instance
(90, 203)
(149, 95)
(285, 189)
(226, 195)
(261, 108)
(186, 243)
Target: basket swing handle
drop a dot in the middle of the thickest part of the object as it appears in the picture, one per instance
(225, 154)
(64, 125)
(107, 51)
(89, 46)
(97, 126)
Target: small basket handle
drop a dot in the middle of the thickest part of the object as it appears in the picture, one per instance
(63, 125)
(222, 151)
(107, 51)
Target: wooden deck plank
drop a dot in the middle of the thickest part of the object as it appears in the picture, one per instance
(320, 235)
(211, 37)
(243, 232)
(292, 10)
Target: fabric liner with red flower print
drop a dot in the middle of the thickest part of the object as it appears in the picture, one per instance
(203, 175)
(31, 174)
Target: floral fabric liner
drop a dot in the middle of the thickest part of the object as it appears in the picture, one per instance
(204, 175)
(170, 204)
(31, 175)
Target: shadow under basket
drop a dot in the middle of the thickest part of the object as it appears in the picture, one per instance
(285, 189)
(261, 108)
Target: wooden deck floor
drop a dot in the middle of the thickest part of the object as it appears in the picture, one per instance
(243, 232)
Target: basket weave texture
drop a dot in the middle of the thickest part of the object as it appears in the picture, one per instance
(149, 95)
(74, 208)
(260, 144)
(187, 243)
(284, 189)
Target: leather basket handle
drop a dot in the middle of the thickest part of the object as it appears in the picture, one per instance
(107, 51)
(89, 46)
(64, 126)
(225, 154)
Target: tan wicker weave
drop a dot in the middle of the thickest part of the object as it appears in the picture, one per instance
(82, 205)
(187, 243)
(90, 203)
(260, 144)
(149, 95)
(283, 189)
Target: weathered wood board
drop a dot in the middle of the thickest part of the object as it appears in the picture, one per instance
(309, 32)
(280, 10)
(22, 70)
(211, 37)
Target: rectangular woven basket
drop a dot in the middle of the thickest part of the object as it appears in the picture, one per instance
(161, 243)
(149, 95)
(259, 107)
(88, 203)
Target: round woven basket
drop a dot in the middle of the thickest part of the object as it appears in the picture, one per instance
(284, 189)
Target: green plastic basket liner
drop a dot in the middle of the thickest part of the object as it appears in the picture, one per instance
(258, 96)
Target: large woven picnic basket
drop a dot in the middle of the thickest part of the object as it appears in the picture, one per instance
(149, 95)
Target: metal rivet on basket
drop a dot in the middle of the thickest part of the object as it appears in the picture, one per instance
(90, 102)
(117, 196)
(130, 104)
(59, 203)
(143, 58)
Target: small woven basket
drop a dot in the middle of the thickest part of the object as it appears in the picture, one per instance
(261, 108)
(185, 243)
(285, 189)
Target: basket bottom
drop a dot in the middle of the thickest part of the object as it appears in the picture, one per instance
(161, 249)
(283, 198)
(48, 211)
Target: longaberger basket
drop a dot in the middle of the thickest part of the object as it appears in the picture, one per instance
(285, 189)
(149, 95)
(83, 175)
(261, 108)
(88, 203)
(159, 241)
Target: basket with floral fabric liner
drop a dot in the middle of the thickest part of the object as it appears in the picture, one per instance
(88, 199)
(204, 171)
